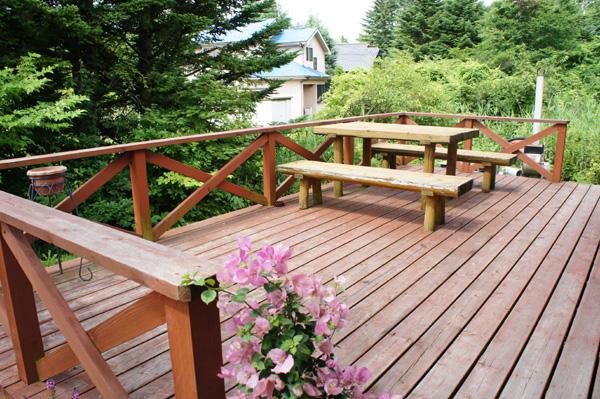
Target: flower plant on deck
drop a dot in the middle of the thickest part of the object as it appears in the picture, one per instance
(283, 326)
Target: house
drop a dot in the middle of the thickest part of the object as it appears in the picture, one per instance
(355, 55)
(303, 78)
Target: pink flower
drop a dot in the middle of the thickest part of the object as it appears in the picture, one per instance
(326, 347)
(277, 299)
(283, 361)
(332, 388)
(261, 326)
(245, 244)
(311, 390)
(321, 328)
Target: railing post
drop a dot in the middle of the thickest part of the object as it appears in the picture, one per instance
(561, 139)
(139, 192)
(195, 343)
(21, 314)
(468, 144)
(269, 174)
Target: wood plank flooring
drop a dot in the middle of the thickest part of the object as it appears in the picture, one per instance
(501, 302)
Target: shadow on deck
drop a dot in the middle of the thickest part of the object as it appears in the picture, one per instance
(501, 301)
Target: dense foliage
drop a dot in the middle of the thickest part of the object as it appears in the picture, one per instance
(140, 64)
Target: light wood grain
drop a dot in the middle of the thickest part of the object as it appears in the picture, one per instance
(496, 158)
(394, 131)
(448, 186)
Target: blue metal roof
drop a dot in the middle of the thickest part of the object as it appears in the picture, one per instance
(293, 70)
(294, 35)
(291, 35)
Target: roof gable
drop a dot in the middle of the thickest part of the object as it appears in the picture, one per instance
(286, 37)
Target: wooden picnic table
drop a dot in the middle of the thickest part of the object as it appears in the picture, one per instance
(428, 136)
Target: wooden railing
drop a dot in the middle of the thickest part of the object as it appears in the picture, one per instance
(193, 327)
(136, 156)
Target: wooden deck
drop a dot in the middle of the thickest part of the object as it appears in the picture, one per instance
(502, 301)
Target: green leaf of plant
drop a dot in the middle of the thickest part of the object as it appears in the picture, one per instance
(208, 296)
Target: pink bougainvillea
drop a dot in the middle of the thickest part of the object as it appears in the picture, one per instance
(283, 345)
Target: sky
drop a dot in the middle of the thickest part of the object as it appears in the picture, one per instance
(341, 17)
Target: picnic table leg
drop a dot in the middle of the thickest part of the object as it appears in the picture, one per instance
(428, 165)
(451, 159)
(338, 157)
(367, 153)
(389, 160)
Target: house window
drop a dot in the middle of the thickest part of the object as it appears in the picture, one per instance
(315, 63)
(320, 92)
(309, 54)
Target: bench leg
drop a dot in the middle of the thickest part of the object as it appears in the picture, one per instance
(489, 178)
(303, 195)
(389, 160)
(434, 212)
(317, 194)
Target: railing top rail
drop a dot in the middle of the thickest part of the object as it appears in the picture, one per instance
(142, 145)
(155, 266)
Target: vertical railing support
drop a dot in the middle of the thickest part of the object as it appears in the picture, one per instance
(139, 191)
(21, 314)
(195, 343)
(468, 144)
(269, 174)
(561, 140)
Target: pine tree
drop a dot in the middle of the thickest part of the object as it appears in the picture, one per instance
(456, 26)
(416, 25)
(539, 27)
(379, 23)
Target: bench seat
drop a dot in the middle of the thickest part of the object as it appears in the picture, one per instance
(435, 187)
(488, 159)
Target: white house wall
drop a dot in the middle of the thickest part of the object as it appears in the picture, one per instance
(291, 90)
(318, 51)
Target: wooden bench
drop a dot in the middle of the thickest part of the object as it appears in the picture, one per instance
(488, 159)
(436, 188)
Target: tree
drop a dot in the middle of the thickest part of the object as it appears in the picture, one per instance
(151, 69)
(415, 29)
(379, 23)
(21, 114)
(535, 28)
(456, 26)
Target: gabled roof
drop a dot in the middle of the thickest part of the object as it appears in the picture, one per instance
(355, 55)
(292, 70)
(286, 37)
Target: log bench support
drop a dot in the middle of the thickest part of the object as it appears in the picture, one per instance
(489, 177)
(305, 185)
(433, 188)
(435, 211)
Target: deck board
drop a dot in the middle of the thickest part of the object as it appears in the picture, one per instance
(500, 301)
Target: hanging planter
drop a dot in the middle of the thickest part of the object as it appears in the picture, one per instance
(49, 180)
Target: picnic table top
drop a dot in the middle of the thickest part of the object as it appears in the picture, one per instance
(393, 131)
